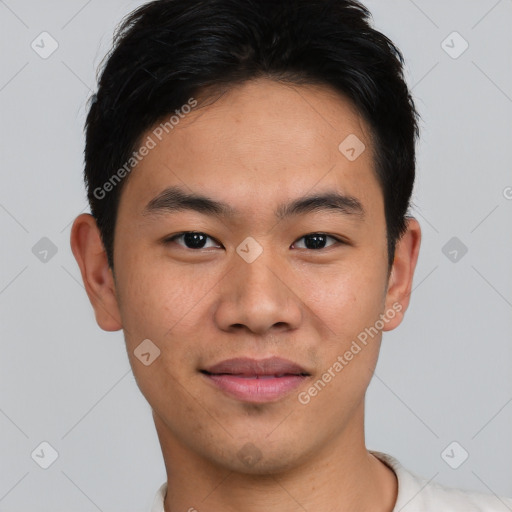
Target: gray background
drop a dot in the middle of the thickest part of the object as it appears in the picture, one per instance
(443, 376)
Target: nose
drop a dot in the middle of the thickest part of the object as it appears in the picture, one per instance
(258, 297)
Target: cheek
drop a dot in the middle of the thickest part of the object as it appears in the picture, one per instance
(155, 294)
(349, 304)
(161, 301)
(347, 298)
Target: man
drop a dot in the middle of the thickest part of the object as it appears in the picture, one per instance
(249, 166)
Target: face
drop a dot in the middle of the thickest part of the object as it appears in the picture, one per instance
(282, 253)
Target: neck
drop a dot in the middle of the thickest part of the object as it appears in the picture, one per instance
(341, 476)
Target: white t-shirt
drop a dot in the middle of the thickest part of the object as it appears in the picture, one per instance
(415, 494)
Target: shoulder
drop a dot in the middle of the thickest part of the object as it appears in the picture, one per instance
(158, 502)
(416, 494)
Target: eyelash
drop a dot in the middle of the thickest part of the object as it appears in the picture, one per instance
(179, 235)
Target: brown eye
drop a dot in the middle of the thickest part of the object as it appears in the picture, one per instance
(316, 241)
(193, 240)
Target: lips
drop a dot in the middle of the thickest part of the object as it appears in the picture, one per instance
(257, 368)
(257, 381)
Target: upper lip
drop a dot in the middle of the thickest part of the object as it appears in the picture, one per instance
(247, 366)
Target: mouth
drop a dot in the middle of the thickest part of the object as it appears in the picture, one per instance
(256, 381)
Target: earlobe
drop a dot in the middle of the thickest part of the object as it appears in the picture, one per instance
(402, 273)
(91, 257)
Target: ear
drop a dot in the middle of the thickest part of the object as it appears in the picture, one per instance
(97, 276)
(402, 272)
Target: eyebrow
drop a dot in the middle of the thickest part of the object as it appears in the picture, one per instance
(173, 199)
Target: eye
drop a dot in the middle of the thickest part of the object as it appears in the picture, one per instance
(192, 240)
(315, 241)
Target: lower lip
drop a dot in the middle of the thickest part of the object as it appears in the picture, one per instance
(256, 390)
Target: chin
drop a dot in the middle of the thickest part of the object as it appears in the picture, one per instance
(266, 466)
(259, 458)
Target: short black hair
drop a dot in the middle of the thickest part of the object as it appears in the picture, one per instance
(168, 51)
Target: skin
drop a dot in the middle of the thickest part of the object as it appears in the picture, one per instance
(257, 146)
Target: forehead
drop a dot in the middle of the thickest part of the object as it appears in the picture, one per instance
(257, 143)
